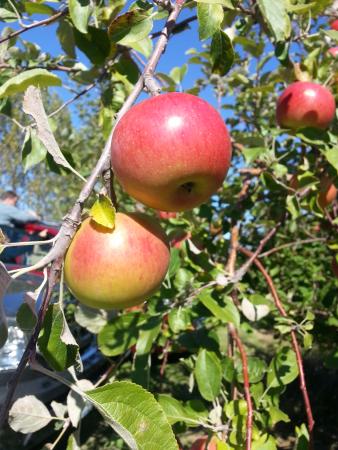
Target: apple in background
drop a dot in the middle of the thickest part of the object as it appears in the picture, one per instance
(305, 104)
(334, 25)
(117, 268)
(171, 152)
(328, 192)
(334, 266)
(201, 444)
(166, 215)
(178, 237)
(333, 51)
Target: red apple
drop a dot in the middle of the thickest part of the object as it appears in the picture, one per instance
(178, 237)
(334, 266)
(333, 51)
(171, 152)
(327, 193)
(117, 268)
(334, 25)
(201, 444)
(305, 104)
(166, 215)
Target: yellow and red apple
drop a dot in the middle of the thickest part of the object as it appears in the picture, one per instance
(117, 268)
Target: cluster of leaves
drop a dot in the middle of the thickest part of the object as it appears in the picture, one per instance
(178, 345)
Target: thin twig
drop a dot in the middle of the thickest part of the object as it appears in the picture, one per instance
(41, 23)
(295, 344)
(291, 244)
(246, 383)
(230, 267)
(73, 99)
(239, 274)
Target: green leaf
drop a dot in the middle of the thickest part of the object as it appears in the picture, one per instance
(283, 368)
(28, 414)
(227, 313)
(303, 438)
(332, 157)
(148, 333)
(135, 415)
(79, 11)
(35, 77)
(7, 15)
(103, 212)
(92, 319)
(143, 46)
(276, 16)
(95, 44)
(5, 281)
(65, 33)
(56, 342)
(130, 27)
(300, 9)
(179, 319)
(176, 412)
(251, 154)
(38, 8)
(221, 53)
(208, 374)
(264, 442)
(276, 415)
(256, 368)
(175, 261)
(26, 318)
(119, 334)
(333, 34)
(33, 150)
(313, 136)
(210, 17)
(178, 73)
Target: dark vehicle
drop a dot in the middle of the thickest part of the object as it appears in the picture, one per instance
(31, 382)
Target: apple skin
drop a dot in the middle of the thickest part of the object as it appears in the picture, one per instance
(117, 268)
(333, 51)
(334, 25)
(305, 104)
(201, 444)
(171, 152)
(166, 215)
(328, 192)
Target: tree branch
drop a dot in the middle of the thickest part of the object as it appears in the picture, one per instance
(291, 244)
(246, 382)
(295, 344)
(41, 23)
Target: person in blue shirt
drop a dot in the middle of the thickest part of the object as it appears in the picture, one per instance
(12, 217)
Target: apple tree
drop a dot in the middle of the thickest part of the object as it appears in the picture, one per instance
(198, 236)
